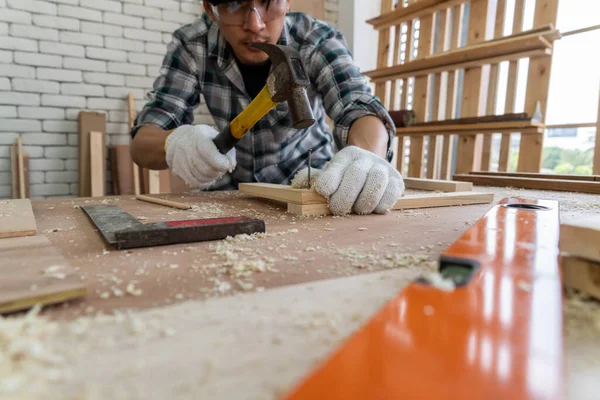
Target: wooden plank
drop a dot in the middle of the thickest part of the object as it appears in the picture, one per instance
(597, 147)
(153, 182)
(590, 178)
(583, 275)
(486, 155)
(421, 98)
(14, 167)
(478, 54)
(21, 168)
(414, 10)
(17, 218)
(538, 84)
(395, 61)
(282, 193)
(383, 54)
(470, 128)
(136, 170)
(523, 117)
(511, 88)
(122, 172)
(531, 183)
(408, 202)
(581, 237)
(34, 272)
(437, 184)
(97, 171)
(475, 87)
(88, 122)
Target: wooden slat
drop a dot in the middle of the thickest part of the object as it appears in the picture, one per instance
(153, 182)
(97, 171)
(437, 184)
(14, 167)
(88, 122)
(395, 60)
(531, 183)
(582, 275)
(581, 237)
(597, 148)
(538, 84)
(409, 202)
(589, 178)
(435, 141)
(136, 170)
(420, 98)
(25, 279)
(455, 28)
(511, 87)
(383, 54)
(282, 193)
(17, 218)
(486, 155)
(122, 175)
(480, 54)
(474, 87)
(21, 168)
(471, 128)
(414, 10)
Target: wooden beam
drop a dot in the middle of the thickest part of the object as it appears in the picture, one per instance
(472, 55)
(88, 122)
(589, 178)
(282, 193)
(597, 147)
(581, 274)
(383, 53)
(581, 238)
(538, 84)
(531, 183)
(437, 184)
(97, 171)
(408, 202)
(493, 127)
(412, 11)
(17, 219)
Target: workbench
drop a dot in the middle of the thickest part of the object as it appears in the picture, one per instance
(246, 318)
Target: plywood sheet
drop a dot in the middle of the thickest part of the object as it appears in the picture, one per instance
(16, 218)
(88, 122)
(32, 272)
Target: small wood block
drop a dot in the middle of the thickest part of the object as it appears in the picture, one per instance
(409, 202)
(582, 275)
(581, 238)
(88, 122)
(16, 218)
(283, 193)
(97, 164)
(25, 279)
(435, 184)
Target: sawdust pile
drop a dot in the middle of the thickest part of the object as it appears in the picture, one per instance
(370, 260)
(581, 316)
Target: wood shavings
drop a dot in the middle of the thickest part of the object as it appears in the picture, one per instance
(245, 286)
(141, 218)
(173, 266)
(436, 280)
(362, 229)
(132, 290)
(104, 295)
(117, 292)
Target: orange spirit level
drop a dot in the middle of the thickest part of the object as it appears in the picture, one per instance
(498, 335)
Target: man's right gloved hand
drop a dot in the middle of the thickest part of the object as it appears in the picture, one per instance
(193, 156)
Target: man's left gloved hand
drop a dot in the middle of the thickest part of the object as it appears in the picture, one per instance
(355, 180)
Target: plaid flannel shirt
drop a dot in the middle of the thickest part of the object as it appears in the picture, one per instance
(200, 62)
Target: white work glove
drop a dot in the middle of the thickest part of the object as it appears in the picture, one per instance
(355, 180)
(193, 156)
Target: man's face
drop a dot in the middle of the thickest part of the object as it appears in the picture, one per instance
(253, 29)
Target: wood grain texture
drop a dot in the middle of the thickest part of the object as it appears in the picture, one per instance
(437, 184)
(531, 183)
(581, 238)
(97, 163)
(34, 272)
(17, 218)
(408, 202)
(581, 274)
(88, 122)
(283, 193)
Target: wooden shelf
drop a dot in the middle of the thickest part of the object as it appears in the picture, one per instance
(523, 127)
(491, 52)
(414, 10)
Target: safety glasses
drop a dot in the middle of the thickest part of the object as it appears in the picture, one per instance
(236, 13)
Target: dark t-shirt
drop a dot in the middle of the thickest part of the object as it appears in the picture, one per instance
(255, 77)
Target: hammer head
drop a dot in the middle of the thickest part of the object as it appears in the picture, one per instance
(288, 81)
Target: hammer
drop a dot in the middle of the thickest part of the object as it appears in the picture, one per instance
(286, 82)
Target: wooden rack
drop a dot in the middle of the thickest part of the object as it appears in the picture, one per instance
(427, 62)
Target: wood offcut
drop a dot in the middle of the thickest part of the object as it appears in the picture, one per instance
(17, 218)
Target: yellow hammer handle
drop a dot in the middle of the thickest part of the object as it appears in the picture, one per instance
(259, 107)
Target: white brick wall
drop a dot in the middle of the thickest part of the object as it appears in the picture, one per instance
(59, 57)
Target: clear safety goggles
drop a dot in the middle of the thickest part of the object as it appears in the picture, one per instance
(237, 12)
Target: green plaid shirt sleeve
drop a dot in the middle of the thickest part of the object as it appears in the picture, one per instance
(199, 62)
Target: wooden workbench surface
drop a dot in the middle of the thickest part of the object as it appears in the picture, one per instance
(322, 278)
